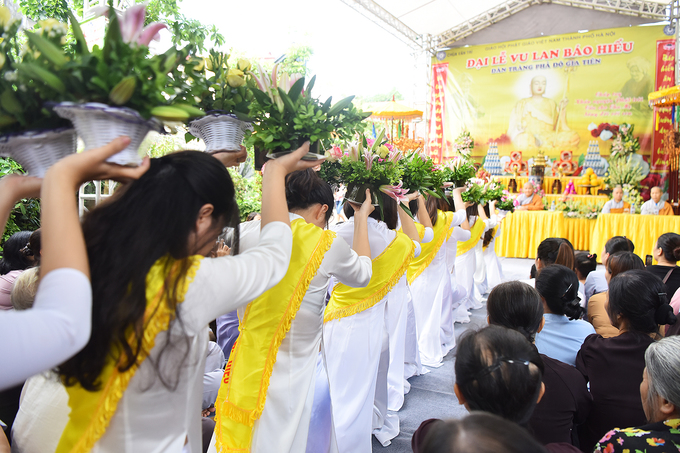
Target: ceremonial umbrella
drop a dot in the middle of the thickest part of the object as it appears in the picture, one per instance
(392, 110)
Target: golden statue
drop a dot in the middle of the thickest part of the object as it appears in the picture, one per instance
(538, 122)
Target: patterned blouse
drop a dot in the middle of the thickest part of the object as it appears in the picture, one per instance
(655, 437)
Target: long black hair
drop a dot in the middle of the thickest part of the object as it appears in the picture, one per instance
(556, 251)
(14, 257)
(558, 285)
(305, 188)
(150, 218)
(640, 297)
(390, 213)
(434, 205)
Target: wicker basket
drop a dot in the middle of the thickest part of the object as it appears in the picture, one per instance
(36, 151)
(98, 124)
(221, 132)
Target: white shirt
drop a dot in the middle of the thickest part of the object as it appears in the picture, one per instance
(151, 418)
(651, 208)
(379, 235)
(55, 329)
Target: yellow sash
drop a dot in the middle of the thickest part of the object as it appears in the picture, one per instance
(419, 227)
(493, 234)
(449, 215)
(429, 250)
(91, 412)
(476, 233)
(266, 322)
(388, 268)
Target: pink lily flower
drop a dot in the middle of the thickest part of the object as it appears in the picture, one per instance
(395, 192)
(353, 153)
(132, 27)
(394, 156)
(369, 158)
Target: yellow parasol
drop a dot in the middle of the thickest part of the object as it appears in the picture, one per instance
(391, 111)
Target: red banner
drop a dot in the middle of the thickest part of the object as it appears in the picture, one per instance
(436, 126)
(665, 78)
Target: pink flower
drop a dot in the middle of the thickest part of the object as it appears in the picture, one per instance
(132, 27)
(335, 152)
(395, 192)
(368, 159)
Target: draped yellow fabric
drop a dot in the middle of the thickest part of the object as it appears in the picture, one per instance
(388, 268)
(449, 216)
(429, 250)
(643, 230)
(475, 234)
(419, 227)
(91, 412)
(523, 231)
(267, 320)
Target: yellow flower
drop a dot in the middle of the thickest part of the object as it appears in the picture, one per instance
(48, 23)
(243, 64)
(383, 151)
(5, 17)
(2, 60)
(235, 78)
(200, 63)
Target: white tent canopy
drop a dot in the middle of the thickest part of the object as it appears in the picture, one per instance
(432, 24)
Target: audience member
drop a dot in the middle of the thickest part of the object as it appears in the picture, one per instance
(667, 254)
(14, 261)
(597, 305)
(613, 366)
(479, 432)
(660, 394)
(584, 264)
(566, 401)
(596, 281)
(564, 331)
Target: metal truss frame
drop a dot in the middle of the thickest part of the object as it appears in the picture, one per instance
(638, 8)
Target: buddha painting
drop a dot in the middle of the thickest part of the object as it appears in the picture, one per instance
(539, 122)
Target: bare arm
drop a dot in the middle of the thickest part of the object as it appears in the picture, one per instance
(12, 189)
(360, 242)
(274, 205)
(408, 225)
(424, 218)
(481, 212)
(458, 202)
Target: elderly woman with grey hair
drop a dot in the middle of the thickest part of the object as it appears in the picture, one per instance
(660, 392)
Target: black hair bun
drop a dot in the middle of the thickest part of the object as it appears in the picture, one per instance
(664, 315)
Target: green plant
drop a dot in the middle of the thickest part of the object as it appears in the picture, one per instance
(624, 170)
(493, 190)
(458, 171)
(25, 216)
(287, 116)
(248, 193)
(474, 192)
(417, 174)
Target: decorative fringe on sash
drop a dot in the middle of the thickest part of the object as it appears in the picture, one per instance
(436, 245)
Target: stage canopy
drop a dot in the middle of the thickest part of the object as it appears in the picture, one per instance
(439, 24)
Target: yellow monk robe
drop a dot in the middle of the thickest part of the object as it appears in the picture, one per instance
(475, 234)
(626, 207)
(667, 209)
(91, 412)
(430, 249)
(388, 268)
(536, 203)
(267, 320)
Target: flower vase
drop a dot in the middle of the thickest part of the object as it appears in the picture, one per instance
(98, 124)
(356, 193)
(37, 151)
(313, 154)
(221, 132)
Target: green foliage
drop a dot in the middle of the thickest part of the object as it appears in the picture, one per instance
(296, 60)
(417, 174)
(492, 191)
(624, 170)
(287, 116)
(474, 193)
(25, 216)
(46, 9)
(248, 193)
(458, 171)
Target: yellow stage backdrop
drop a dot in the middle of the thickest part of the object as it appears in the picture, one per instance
(543, 93)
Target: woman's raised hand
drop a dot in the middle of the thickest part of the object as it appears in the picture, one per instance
(293, 161)
(92, 165)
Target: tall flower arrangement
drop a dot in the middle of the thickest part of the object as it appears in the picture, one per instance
(464, 145)
(458, 171)
(418, 170)
(624, 143)
(286, 115)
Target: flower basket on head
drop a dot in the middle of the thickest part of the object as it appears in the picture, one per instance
(286, 116)
(419, 174)
(220, 132)
(36, 151)
(111, 90)
(367, 166)
(225, 93)
(98, 124)
(474, 192)
(459, 171)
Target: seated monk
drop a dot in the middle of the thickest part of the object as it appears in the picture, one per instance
(655, 206)
(616, 205)
(529, 200)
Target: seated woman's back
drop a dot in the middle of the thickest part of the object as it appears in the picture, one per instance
(614, 366)
(564, 331)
